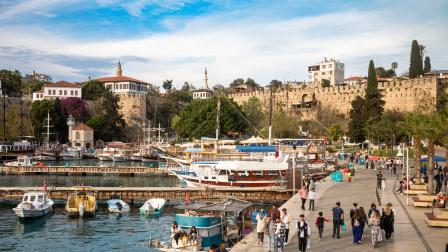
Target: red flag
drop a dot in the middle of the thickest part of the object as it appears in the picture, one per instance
(187, 199)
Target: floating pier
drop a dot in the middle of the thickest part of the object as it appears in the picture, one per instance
(144, 193)
(81, 170)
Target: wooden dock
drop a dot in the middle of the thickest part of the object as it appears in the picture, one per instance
(144, 193)
(82, 170)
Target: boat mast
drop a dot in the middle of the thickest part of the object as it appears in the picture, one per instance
(270, 115)
(48, 129)
(218, 110)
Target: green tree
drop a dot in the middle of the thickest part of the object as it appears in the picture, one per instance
(394, 67)
(414, 125)
(198, 119)
(427, 67)
(236, 83)
(254, 113)
(93, 90)
(416, 66)
(373, 102)
(334, 133)
(11, 82)
(357, 120)
(58, 119)
(167, 85)
(275, 84)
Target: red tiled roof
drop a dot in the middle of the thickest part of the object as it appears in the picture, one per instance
(39, 91)
(63, 84)
(353, 78)
(82, 126)
(119, 79)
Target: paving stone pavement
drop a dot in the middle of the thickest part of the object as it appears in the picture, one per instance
(361, 191)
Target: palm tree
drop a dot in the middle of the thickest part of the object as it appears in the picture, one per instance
(414, 125)
(435, 129)
(394, 66)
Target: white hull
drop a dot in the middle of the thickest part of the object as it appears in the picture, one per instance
(114, 208)
(44, 158)
(68, 158)
(104, 158)
(32, 213)
(118, 159)
(152, 205)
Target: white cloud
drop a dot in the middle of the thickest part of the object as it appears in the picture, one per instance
(251, 47)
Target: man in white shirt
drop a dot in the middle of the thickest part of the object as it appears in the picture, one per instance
(311, 197)
(286, 219)
(303, 232)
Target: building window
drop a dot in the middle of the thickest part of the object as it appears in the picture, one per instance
(323, 73)
(77, 135)
(54, 92)
(48, 91)
(60, 92)
(76, 92)
(324, 66)
(71, 92)
(65, 92)
(331, 72)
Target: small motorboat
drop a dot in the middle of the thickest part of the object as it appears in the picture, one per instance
(117, 206)
(34, 204)
(104, 157)
(118, 158)
(82, 201)
(41, 157)
(71, 154)
(22, 160)
(153, 206)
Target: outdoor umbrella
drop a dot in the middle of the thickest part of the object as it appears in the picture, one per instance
(434, 159)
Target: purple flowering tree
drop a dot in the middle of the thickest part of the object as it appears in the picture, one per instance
(75, 107)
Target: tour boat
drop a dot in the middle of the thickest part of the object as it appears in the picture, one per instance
(81, 202)
(22, 160)
(71, 154)
(34, 204)
(269, 172)
(117, 206)
(153, 206)
(42, 157)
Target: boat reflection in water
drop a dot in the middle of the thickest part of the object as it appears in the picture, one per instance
(28, 225)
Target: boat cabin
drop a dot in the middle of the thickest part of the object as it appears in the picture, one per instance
(34, 198)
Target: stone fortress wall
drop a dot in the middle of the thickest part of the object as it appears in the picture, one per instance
(132, 106)
(402, 96)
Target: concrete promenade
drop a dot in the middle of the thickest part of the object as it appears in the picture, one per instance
(409, 235)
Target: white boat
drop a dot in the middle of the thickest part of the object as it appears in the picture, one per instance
(153, 206)
(104, 157)
(71, 154)
(117, 206)
(34, 204)
(40, 157)
(118, 158)
(22, 160)
(136, 157)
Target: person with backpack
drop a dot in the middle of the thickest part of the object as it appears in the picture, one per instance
(303, 232)
(320, 224)
(356, 227)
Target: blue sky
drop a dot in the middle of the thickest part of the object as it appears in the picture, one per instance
(176, 39)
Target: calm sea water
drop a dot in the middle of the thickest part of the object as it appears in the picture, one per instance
(104, 232)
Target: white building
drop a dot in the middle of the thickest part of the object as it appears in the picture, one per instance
(331, 70)
(124, 84)
(205, 92)
(60, 89)
(353, 80)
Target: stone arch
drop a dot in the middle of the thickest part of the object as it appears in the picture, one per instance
(307, 98)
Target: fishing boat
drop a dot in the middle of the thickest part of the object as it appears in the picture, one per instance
(22, 160)
(82, 201)
(43, 157)
(153, 206)
(34, 204)
(71, 154)
(117, 206)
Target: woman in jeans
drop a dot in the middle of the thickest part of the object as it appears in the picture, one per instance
(269, 231)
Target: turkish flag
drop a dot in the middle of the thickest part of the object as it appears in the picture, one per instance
(187, 199)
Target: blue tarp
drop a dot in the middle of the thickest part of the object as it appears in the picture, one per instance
(258, 148)
(434, 159)
(193, 150)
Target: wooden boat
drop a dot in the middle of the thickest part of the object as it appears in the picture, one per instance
(22, 160)
(117, 206)
(153, 206)
(34, 204)
(82, 201)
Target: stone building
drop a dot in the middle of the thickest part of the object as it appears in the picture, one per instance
(401, 96)
(82, 135)
(132, 93)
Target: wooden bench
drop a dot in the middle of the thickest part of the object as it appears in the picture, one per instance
(435, 220)
(423, 200)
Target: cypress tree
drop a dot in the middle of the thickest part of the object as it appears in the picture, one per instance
(373, 102)
(357, 120)
(427, 67)
(416, 67)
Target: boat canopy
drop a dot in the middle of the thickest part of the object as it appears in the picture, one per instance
(254, 140)
(256, 148)
(227, 205)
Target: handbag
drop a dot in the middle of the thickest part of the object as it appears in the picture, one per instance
(343, 227)
(308, 244)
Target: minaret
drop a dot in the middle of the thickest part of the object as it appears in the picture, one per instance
(206, 79)
(118, 71)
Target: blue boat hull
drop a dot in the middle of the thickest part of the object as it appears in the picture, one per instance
(209, 228)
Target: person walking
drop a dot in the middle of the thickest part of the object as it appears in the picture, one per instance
(352, 213)
(375, 228)
(280, 230)
(356, 227)
(261, 222)
(303, 192)
(274, 213)
(239, 224)
(439, 181)
(269, 231)
(320, 220)
(362, 220)
(387, 221)
(372, 209)
(303, 232)
(286, 219)
(379, 178)
(338, 219)
(311, 197)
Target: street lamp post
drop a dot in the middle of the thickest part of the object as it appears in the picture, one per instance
(300, 156)
(407, 176)
(401, 156)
